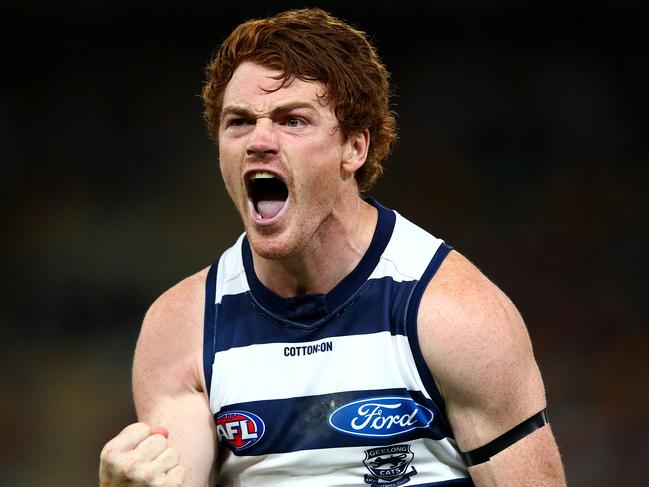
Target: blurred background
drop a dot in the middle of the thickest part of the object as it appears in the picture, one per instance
(524, 143)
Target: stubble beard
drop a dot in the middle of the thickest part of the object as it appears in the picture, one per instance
(271, 244)
(292, 241)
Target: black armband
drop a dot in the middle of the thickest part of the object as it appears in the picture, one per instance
(485, 452)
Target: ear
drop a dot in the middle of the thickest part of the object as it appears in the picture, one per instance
(354, 153)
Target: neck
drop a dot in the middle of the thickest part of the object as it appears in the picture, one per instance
(346, 234)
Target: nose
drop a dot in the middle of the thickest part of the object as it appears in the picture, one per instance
(263, 140)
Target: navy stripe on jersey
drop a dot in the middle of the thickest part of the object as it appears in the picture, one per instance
(378, 306)
(411, 324)
(209, 325)
(302, 423)
(339, 297)
(463, 482)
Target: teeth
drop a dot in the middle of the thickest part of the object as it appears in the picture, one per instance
(262, 175)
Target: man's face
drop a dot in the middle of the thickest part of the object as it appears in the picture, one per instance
(280, 156)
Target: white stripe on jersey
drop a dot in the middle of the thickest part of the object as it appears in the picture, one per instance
(304, 472)
(355, 363)
(405, 258)
(231, 275)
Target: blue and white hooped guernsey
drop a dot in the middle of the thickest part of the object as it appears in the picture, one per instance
(329, 390)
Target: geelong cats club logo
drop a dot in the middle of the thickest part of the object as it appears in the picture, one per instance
(239, 429)
(388, 465)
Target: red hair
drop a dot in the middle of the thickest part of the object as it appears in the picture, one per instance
(311, 45)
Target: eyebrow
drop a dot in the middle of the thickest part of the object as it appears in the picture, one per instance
(281, 109)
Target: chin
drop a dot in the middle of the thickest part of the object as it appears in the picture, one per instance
(273, 247)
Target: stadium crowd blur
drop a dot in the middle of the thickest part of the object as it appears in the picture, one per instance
(524, 143)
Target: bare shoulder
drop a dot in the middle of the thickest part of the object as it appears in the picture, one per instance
(177, 309)
(467, 311)
(479, 352)
(170, 341)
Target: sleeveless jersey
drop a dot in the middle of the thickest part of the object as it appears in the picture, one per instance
(329, 390)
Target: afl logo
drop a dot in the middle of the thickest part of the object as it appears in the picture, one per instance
(380, 417)
(239, 429)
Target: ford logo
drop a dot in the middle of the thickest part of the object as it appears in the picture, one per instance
(380, 416)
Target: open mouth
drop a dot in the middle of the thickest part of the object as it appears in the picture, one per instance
(267, 193)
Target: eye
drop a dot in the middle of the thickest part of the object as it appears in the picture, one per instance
(236, 122)
(294, 122)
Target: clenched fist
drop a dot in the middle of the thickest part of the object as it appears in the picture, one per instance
(140, 456)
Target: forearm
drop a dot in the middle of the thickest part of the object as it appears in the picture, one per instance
(191, 433)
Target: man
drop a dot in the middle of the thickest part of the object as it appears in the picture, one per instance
(335, 343)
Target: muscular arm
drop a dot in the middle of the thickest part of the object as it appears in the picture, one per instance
(478, 350)
(168, 382)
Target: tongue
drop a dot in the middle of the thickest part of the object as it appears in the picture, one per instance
(269, 208)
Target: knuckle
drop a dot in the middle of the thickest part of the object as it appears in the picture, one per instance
(175, 477)
(158, 482)
(173, 454)
(109, 449)
(106, 452)
(148, 475)
(181, 476)
(140, 430)
(108, 461)
(136, 474)
(129, 467)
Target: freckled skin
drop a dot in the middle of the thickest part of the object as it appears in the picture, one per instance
(309, 157)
